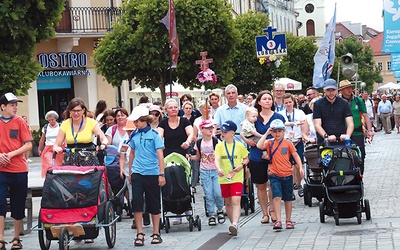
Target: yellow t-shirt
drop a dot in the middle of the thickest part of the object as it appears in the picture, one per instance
(225, 164)
(84, 136)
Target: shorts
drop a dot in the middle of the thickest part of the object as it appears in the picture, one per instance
(232, 189)
(147, 185)
(17, 184)
(258, 172)
(281, 187)
(300, 152)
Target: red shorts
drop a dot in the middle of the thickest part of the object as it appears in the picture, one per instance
(233, 189)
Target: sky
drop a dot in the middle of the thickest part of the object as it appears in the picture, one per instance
(368, 12)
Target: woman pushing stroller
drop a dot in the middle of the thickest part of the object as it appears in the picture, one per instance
(146, 159)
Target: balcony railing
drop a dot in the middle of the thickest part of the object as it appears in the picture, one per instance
(87, 19)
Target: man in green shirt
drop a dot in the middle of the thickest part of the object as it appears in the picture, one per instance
(362, 123)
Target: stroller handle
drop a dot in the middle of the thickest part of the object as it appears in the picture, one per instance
(73, 150)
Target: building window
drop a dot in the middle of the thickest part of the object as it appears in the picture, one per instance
(380, 66)
(309, 8)
(310, 28)
(388, 64)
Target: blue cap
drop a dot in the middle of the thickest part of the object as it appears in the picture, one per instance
(277, 124)
(228, 126)
(330, 84)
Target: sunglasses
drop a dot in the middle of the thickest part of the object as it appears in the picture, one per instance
(155, 114)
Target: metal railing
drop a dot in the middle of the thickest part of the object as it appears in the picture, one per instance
(88, 19)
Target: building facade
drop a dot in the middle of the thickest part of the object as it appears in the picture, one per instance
(311, 19)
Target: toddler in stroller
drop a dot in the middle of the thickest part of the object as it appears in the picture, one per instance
(343, 186)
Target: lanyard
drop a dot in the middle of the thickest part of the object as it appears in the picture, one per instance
(288, 116)
(270, 148)
(231, 157)
(279, 108)
(72, 130)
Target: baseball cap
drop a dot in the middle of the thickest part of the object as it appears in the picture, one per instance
(205, 124)
(228, 126)
(330, 84)
(138, 112)
(155, 108)
(129, 125)
(8, 97)
(277, 124)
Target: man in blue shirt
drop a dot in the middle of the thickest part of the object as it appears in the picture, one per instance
(233, 111)
(384, 112)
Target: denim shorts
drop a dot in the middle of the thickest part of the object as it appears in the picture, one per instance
(281, 187)
(17, 184)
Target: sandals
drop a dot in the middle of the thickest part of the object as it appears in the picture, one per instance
(265, 221)
(16, 244)
(221, 217)
(156, 239)
(277, 225)
(273, 215)
(212, 221)
(3, 246)
(289, 224)
(139, 241)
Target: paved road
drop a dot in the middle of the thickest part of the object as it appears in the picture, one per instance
(381, 232)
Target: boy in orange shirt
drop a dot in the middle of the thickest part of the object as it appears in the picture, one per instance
(280, 170)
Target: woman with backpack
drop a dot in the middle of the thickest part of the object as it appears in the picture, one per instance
(116, 133)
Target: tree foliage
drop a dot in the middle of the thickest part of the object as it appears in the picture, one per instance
(24, 23)
(363, 55)
(138, 47)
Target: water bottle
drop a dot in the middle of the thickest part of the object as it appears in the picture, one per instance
(347, 141)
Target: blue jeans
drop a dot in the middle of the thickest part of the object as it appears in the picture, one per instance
(212, 190)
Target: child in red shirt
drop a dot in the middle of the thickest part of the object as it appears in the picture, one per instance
(280, 170)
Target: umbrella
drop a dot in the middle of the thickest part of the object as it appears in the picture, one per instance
(289, 84)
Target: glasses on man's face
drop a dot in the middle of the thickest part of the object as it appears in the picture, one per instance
(279, 90)
(155, 114)
(76, 111)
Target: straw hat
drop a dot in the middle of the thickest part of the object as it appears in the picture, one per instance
(344, 84)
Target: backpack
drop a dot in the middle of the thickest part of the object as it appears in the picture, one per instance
(176, 193)
(198, 143)
(113, 130)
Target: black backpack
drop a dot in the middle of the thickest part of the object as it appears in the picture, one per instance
(176, 192)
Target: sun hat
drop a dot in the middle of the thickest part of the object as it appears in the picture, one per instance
(138, 112)
(206, 124)
(277, 124)
(228, 126)
(344, 84)
(330, 84)
(8, 97)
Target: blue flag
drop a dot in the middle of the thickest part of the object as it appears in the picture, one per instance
(391, 17)
(325, 56)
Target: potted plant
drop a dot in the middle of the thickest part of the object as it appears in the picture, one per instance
(36, 135)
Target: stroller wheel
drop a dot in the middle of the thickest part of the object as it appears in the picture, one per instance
(336, 216)
(359, 217)
(198, 223)
(64, 239)
(167, 225)
(322, 212)
(191, 223)
(43, 241)
(367, 209)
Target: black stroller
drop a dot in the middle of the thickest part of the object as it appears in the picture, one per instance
(342, 184)
(176, 195)
(247, 200)
(118, 185)
(313, 175)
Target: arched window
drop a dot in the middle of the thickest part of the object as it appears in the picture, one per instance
(310, 26)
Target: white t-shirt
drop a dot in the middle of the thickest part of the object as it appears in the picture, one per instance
(369, 104)
(51, 134)
(117, 138)
(297, 115)
(207, 157)
(247, 127)
(313, 133)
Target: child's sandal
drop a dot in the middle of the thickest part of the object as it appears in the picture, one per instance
(221, 217)
(16, 244)
(139, 241)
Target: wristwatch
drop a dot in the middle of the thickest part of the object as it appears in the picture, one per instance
(162, 175)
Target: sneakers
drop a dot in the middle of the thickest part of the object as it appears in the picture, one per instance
(233, 230)
(277, 225)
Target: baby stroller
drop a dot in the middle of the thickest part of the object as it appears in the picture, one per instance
(176, 194)
(247, 200)
(342, 184)
(312, 175)
(76, 202)
(117, 184)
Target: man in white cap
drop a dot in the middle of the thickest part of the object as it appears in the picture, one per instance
(332, 116)
(15, 140)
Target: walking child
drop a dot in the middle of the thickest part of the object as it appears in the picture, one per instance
(230, 161)
(15, 140)
(205, 153)
(280, 170)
